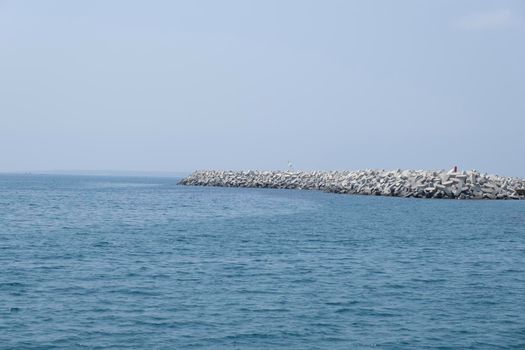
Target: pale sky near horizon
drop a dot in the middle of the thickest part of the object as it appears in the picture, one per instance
(183, 85)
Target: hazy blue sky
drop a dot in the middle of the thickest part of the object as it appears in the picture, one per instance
(183, 85)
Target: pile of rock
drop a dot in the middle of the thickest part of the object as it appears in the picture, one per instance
(399, 183)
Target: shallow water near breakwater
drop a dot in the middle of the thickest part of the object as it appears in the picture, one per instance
(109, 262)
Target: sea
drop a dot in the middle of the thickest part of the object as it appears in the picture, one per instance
(95, 262)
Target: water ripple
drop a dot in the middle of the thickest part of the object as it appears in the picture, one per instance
(108, 263)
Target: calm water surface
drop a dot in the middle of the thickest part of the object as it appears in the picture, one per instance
(113, 262)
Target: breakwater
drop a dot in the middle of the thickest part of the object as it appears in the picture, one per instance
(397, 183)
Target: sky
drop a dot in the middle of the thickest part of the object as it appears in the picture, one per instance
(173, 86)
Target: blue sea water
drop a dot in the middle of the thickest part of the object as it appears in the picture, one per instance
(116, 262)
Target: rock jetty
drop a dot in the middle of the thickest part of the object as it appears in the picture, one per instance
(398, 183)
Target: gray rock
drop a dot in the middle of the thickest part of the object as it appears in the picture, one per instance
(400, 183)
